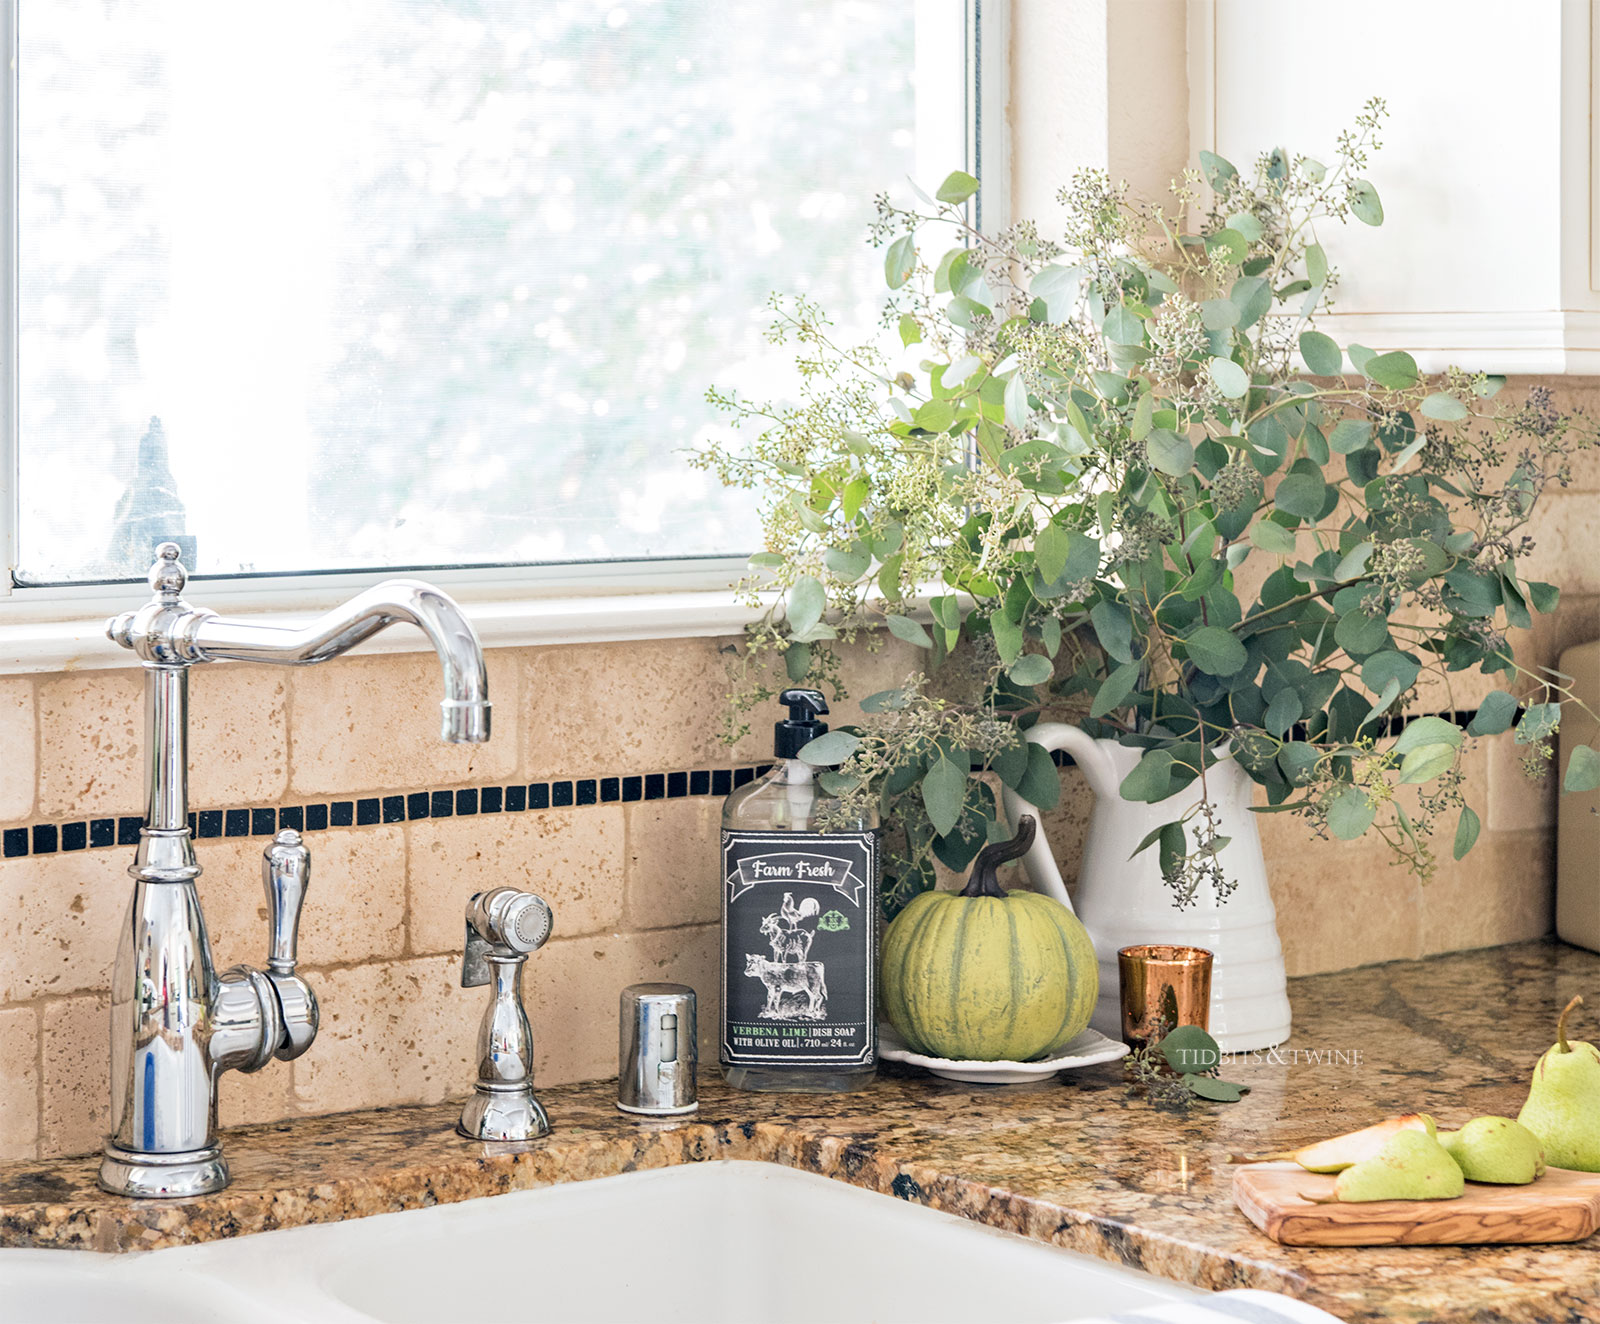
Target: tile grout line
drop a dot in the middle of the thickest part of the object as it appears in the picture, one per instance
(38, 1079)
(35, 701)
(405, 889)
(38, 743)
(41, 1001)
(626, 918)
(290, 690)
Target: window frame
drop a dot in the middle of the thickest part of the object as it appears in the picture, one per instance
(57, 627)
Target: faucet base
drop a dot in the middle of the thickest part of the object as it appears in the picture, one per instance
(162, 1176)
(503, 1114)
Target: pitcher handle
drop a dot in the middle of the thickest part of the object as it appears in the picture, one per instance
(1039, 864)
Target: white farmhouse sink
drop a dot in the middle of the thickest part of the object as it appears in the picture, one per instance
(81, 1287)
(751, 1243)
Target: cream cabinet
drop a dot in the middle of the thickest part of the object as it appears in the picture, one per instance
(1489, 254)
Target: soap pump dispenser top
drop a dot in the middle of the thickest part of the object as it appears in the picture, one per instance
(801, 727)
(799, 924)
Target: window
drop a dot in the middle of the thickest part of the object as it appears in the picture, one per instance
(341, 284)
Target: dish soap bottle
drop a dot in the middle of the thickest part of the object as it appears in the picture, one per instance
(799, 925)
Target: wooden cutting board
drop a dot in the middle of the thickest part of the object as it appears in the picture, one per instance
(1560, 1206)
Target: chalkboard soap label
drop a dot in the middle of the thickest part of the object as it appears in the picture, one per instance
(798, 948)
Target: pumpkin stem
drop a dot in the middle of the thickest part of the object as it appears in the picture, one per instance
(983, 881)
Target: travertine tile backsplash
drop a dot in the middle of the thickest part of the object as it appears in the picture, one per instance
(633, 885)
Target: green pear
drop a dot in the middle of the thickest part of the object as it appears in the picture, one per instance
(1495, 1149)
(1411, 1166)
(1344, 1151)
(1563, 1107)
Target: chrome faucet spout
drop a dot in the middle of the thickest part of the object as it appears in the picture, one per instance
(168, 631)
(465, 705)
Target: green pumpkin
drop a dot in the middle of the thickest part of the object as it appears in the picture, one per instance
(985, 975)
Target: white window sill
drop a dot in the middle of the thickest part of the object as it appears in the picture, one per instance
(80, 644)
(64, 629)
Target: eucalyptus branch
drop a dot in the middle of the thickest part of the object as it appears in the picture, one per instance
(1083, 440)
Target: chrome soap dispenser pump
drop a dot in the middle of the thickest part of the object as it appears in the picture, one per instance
(799, 924)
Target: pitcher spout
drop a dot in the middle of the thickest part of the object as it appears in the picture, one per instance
(1095, 757)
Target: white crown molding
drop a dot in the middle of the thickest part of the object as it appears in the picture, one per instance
(1501, 342)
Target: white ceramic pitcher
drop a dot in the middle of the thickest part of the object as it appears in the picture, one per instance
(1124, 901)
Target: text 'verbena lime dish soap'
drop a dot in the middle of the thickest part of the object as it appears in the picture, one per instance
(799, 925)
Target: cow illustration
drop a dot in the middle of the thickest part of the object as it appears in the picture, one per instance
(793, 980)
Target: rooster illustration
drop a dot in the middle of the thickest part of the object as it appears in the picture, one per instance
(791, 915)
(790, 942)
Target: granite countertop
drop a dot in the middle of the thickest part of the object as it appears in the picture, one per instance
(1073, 1161)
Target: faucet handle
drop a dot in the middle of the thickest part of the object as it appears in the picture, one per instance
(286, 873)
(514, 922)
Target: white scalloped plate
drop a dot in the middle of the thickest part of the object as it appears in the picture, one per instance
(1086, 1050)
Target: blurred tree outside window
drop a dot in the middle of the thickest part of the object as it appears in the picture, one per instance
(338, 284)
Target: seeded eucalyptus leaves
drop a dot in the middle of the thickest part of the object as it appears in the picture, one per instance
(1178, 1065)
(1122, 477)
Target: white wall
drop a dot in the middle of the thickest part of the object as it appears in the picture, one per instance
(1096, 83)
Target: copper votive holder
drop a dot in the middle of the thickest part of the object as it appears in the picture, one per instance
(1163, 985)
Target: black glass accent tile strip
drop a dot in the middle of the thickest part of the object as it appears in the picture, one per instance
(207, 824)
(254, 821)
(47, 838)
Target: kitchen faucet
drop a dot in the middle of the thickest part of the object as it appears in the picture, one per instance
(176, 1024)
